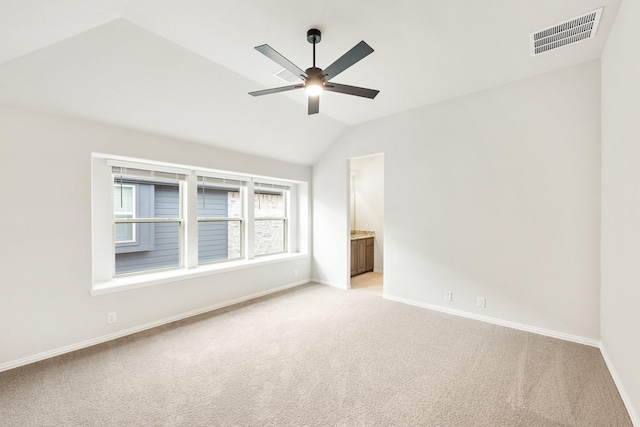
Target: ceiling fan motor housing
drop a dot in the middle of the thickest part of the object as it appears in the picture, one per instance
(314, 72)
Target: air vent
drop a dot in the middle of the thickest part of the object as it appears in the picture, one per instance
(580, 28)
(287, 76)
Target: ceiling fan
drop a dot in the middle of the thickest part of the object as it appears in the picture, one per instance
(316, 80)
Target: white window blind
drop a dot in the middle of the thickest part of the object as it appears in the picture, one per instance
(148, 170)
(147, 174)
(209, 181)
(272, 186)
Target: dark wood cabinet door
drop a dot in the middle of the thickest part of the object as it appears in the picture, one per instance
(362, 254)
(354, 257)
(369, 255)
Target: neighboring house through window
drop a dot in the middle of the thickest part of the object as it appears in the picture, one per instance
(270, 210)
(170, 217)
(147, 209)
(220, 219)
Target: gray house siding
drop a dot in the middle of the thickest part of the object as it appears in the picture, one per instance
(157, 245)
(213, 237)
(164, 250)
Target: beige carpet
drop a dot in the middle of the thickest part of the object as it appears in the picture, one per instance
(317, 356)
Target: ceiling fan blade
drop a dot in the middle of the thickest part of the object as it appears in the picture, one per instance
(356, 53)
(275, 90)
(314, 104)
(351, 90)
(271, 53)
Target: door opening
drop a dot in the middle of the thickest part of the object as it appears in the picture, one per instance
(366, 223)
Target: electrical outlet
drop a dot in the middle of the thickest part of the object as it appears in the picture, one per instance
(482, 303)
(111, 317)
(448, 295)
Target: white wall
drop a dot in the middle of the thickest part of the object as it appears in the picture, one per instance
(504, 202)
(45, 254)
(620, 293)
(368, 194)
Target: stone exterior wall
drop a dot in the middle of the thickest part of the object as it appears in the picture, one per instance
(269, 233)
(234, 229)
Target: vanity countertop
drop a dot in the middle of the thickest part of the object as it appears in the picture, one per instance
(361, 234)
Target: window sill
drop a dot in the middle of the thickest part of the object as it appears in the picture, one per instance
(168, 276)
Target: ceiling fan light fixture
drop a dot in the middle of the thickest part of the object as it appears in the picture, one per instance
(316, 80)
(314, 86)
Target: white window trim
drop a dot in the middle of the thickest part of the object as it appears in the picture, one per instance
(175, 275)
(103, 257)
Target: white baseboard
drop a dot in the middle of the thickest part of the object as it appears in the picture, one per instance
(333, 285)
(496, 321)
(633, 414)
(88, 343)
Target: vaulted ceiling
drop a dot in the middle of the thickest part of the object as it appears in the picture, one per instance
(183, 68)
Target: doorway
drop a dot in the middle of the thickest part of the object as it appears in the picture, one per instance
(366, 223)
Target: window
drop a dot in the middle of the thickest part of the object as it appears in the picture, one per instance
(270, 211)
(147, 220)
(220, 219)
(155, 221)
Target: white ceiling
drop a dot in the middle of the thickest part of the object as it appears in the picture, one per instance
(183, 68)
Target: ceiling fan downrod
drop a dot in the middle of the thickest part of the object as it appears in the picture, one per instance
(314, 36)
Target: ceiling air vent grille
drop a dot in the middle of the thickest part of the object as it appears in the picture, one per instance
(287, 76)
(580, 28)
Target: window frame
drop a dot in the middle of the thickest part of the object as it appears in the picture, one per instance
(132, 247)
(220, 183)
(296, 225)
(285, 219)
